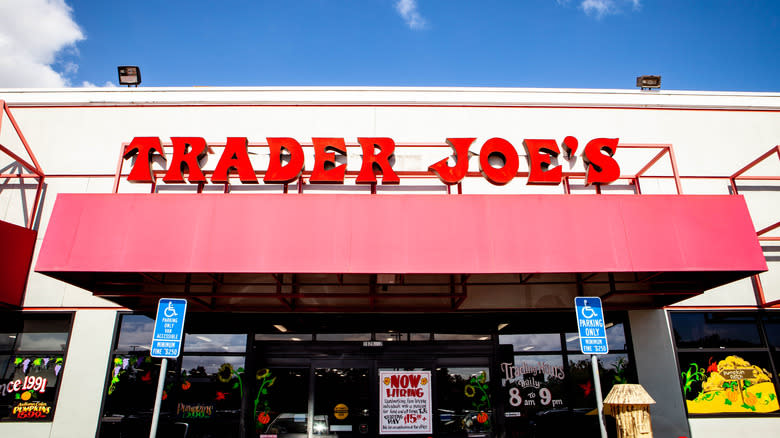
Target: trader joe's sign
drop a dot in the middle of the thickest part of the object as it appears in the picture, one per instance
(405, 402)
(330, 156)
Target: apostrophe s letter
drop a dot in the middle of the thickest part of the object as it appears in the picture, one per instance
(601, 168)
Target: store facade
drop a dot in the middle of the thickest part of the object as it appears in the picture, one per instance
(387, 262)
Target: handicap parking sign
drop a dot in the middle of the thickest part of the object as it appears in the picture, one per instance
(168, 328)
(590, 323)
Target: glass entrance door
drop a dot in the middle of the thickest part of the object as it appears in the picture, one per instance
(396, 392)
(343, 405)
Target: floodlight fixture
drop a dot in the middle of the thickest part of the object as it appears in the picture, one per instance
(129, 75)
(648, 82)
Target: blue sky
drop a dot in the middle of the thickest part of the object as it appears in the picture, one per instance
(694, 45)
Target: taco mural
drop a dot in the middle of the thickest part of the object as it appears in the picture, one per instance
(731, 385)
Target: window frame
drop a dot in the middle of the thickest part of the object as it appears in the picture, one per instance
(564, 353)
(174, 365)
(18, 322)
(770, 350)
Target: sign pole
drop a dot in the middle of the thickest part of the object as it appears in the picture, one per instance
(166, 344)
(158, 398)
(599, 402)
(592, 332)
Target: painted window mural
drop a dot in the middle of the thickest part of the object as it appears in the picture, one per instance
(280, 401)
(725, 361)
(465, 403)
(210, 393)
(203, 391)
(32, 359)
(547, 383)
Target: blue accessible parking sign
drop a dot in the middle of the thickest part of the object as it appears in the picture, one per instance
(168, 328)
(590, 322)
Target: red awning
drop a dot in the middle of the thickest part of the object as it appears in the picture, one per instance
(18, 244)
(702, 240)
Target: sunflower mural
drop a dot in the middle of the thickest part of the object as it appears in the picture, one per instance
(477, 390)
(227, 375)
(265, 380)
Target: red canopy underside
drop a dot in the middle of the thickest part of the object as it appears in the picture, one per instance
(699, 241)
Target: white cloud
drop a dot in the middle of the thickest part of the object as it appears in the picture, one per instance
(33, 34)
(601, 8)
(87, 84)
(410, 14)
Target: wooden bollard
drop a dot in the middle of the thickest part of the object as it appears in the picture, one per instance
(630, 405)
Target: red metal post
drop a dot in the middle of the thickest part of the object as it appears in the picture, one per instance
(21, 137)
(676, 174)
(119, 167)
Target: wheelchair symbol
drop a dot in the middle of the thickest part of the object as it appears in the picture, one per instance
(170, 311)
(587, 311)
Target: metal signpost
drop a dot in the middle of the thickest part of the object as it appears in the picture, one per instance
(593, 341)
(166, 343)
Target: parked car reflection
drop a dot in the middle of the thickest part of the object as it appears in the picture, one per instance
(289, 425)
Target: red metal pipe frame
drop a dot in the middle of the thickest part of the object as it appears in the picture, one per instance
(759, 288)
(21, 137)
(35, 167)
(30, 167)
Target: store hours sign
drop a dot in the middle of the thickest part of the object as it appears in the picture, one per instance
(532, 386)
(405, 402)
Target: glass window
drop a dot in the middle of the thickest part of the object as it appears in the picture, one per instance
(4, 360)
(30, 387)
(135, 333)
(7, 340)
(772, 324)
(613, 369)
(465, 404)
(533, 383)
(31, 365)
(459, 337)
(723, 382)
(616, 338)
(344, 337)
(281, 401)
(295, 337)
(209, 394)
(44, 335)
(203, 390)
(715, 330)
(341, 401)
(228, 343)
(725, 366)
(533, 342)
(392, 337)
(133, 385)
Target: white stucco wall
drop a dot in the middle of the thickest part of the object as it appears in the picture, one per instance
(657, 370)
(77, 137)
